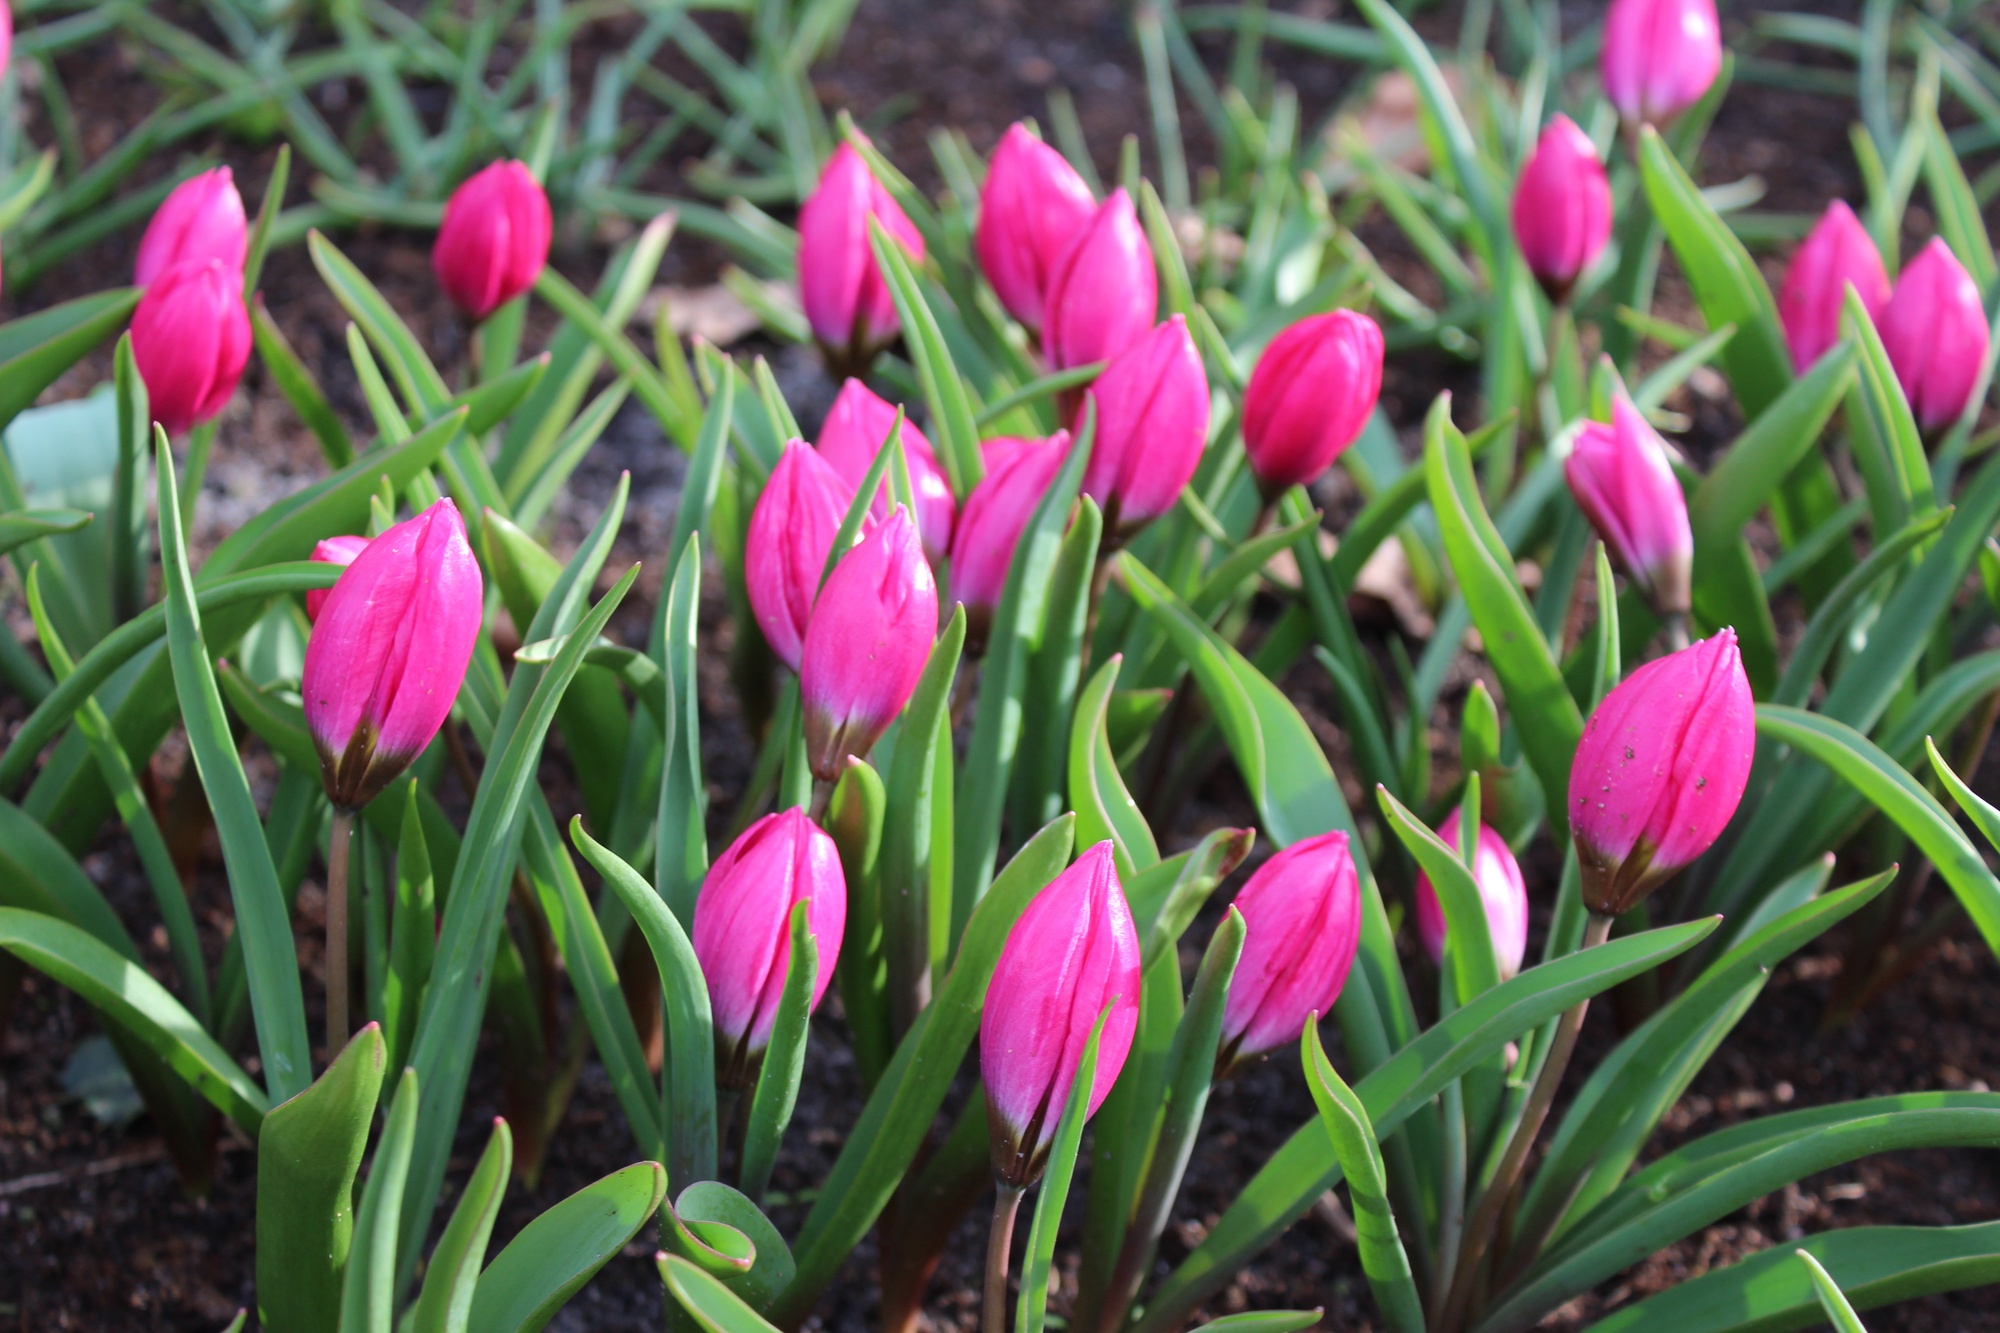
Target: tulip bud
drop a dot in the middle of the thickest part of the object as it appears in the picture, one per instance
(494, 239)
(856, 429)
(1310, 396)
(389, 651)
(190, 342)
(846, 299)
(1102, 295)
(201, 219)
(1562, 208)
(1625, 485)
(1018, 475)
(1659, 57)
(743, 931)
(791, 533)
(1838, 253)
(1073, 952)
(1302, 922)
(6, 35)
(1032, 205)
(1502, 892)
(1659, 771)
(1152, 424)
(870, 635)
(1934, 330)
(333, 551)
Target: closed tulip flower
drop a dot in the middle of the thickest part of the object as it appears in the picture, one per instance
(1837, 254)
(855, 431)
(389, 651)
(1562, 208)
(846, 299)
(1104, 291)
(870, 635)
(1032, 205)
(1625, 485)
(190, 342)
(1072, 953)
(1302, 923)
(1934, 329)
(1502, 892)
(1659, 57)
(201, 219)
(1660, 770)
(792, 530)
(1309, 397)
(742, 930)
(333, 551)
(1018, 475)
(6, 35)
(1152, 425)
(494, 240)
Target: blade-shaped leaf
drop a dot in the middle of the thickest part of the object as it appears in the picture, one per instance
(558, 1252)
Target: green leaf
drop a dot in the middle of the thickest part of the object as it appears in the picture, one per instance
(1104, 808)
(1831, 620)
(1957, 204)
(944, 390)
(1264, 1321)
(854, 817)
(557, 1253)
(784, 1059)
(299, 387)
(1837, 1309)
(445, 1304)
(713, 1306)
(26, 525)
(717, 1211)
(1886, 445)
(416, 378)
(1468, 941)
(1032, 1309)
(915, 865)
(1984, 816)
(368, 1292)
(38, 348)
(681, 852)
(1054, 666)
(412, 933)
(629, 362)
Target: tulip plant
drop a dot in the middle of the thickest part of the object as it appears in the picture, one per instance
(987, 655)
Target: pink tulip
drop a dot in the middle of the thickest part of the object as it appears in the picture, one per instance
(1032, 205)
(791, 533)
(1152, 425)
(1309, 397)
(494, 240)
(190, 341)
(1018, 475)
(201, 219)
(1302, 913)
(1660, 770)
(6, 35)
(1625, 485)
(855, 431)
(1073, 952)
(1934, 329)
(743, 929)
(1502, 892)
(870, 636)
(333, 551)
(1659, 56)
(846, 300)
(389, 651)
(1562, 207)
(1837, 254)
(1101, 297)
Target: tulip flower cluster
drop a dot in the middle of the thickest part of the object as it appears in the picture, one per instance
(191, 332)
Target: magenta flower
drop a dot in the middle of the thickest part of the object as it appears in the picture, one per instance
(201, 219)
(743, 929)
(784, 554)
(1934, 329)
(1102, 295)
(333, 551)
(1018, 475)
(870, 635)
(1032, 205)
(389, 651)
(1310, 396)
(1073, 952)
(1660, 770)
(190, 342)
(1837, 254)
(856, 429)
(494, 240)
(1302, 918)
(1502, 892)
(1562, 208)
(1625, 485)
(1152, 425)
(846, 300)
(1659, 57)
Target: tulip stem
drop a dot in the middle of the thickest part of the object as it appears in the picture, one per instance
(1677, 632)
(339, 844)
(999, 1242)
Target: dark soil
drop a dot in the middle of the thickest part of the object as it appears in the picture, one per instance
(96, 1231)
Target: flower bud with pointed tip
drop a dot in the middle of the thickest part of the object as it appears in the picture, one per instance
(494, 240)
(1072, 953)
(1562, 207)
(792, 530)
(1502, 892)
(190, 342)
(1934, 330)
(1310, 396)
(1659, 57)
(845, 297)
(871, 633)
(1660, 770)
(1302, 922)
(1152, 425)
(201, 219)
(333, 551)
(743, 929)
(1104, 291)
(1838, 253)
(6, 35)
(856, 428)
(1625, 485)
(1018, 475)
(1032, 205)
(389, 651)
